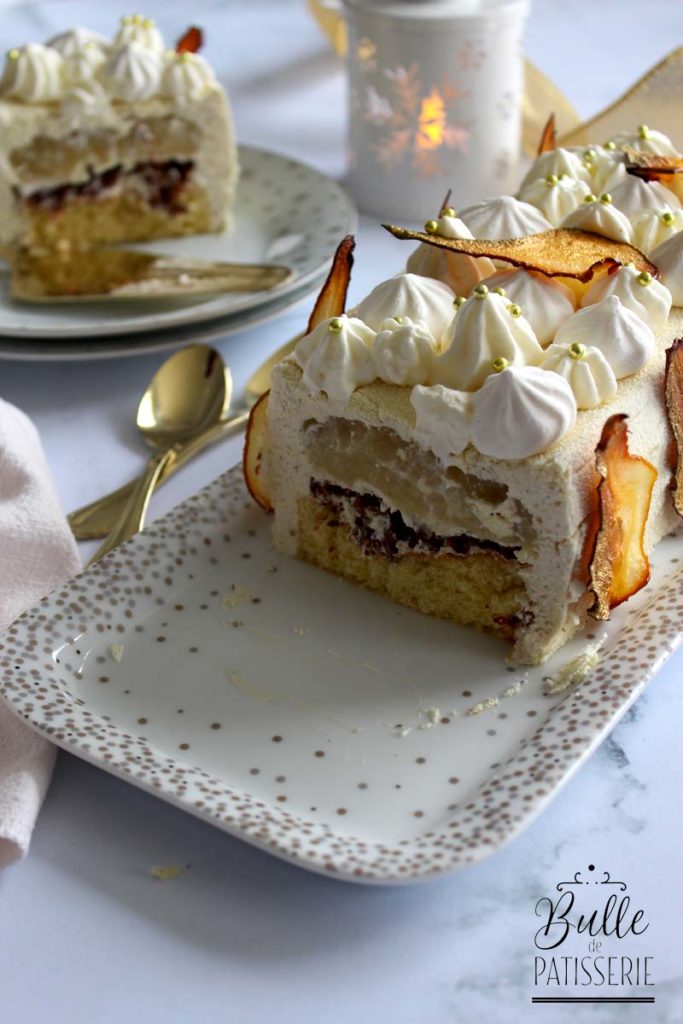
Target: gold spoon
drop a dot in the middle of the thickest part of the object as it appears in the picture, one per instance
(186, 396)
(100, 516)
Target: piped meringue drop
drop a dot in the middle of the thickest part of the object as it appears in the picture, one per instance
(504, 217)
(635, 197)
(404, 352)
(186, 76)
(443, 420)
(336, 357)
(487, 327)
(76, 40)
(601, 217)
(646, 140)
(555, 197)
(638, 291)
(521, 411)
(557, 161)
(458, 270)
(606, 168)
(134, 28)
(585, 369)
(132, 73)
(410, 295)
(33, 74)
(653, 228)
(545, 303)
(668, 258)
(626, 342)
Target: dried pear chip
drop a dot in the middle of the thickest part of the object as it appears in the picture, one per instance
(254, 449)
(332, 298)
(619, 566)
(674, 408)
(562, 252)
(191, 41)
(548, 139)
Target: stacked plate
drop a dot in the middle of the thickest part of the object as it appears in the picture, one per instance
(285, 212)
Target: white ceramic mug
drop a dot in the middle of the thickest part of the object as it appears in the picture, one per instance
(435, 91)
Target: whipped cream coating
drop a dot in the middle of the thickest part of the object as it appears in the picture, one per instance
(487, 327)
(132, 73)
(521, 411)
(626, 342)
(504, 217)
(185, 76)
(419, 298)
(443, 419)
(557, 161)
(634, 197)
(33, 74)
(653, 228)
(647, 297)
(601, 217)
(555, 197)
(134, 28)
(545, 302)
(404, 352)
(336, 357)
(668, 258)
(646, 140)
(585, 369)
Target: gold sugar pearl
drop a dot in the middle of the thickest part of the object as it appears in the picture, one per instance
(499, 291)
(499, 364)
(448, 211)
(148, 23)
(589, 157)
(514, 310)
(431, 227)
(399, 319)
(577, 350)
(186, 57)
(644, 278)
(590, 198)
(605, 199)
(13, 55)
(459, 301)
(610, 146)
(480, 292)
(552, 179)
(335, 325)
(643, 131)
(667, 218)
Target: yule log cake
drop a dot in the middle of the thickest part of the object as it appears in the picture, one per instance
(113, 140)
(495, 435)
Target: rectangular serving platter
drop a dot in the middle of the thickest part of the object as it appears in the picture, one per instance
(311, 718)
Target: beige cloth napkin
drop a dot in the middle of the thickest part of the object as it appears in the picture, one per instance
(37, 553)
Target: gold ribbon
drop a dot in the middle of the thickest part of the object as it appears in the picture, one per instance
(655, 99)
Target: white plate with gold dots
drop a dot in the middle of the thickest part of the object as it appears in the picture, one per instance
(285, 212)
(307, 716)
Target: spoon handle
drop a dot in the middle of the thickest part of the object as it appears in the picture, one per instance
(99, 517)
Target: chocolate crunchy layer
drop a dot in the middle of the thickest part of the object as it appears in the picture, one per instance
(380, 530)
(162, 184)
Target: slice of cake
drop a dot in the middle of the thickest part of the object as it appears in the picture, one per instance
(106, 141)
(503, 459)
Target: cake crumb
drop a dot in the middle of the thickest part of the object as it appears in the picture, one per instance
(513, 690)
(575, 671)
(166, 872)
(116, 651)
(406, 731)
(484, 705)
(236, 596)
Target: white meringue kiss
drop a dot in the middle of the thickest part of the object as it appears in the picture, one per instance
(646, 140)
(635, 197)
(186, 76)
(640, 292)
(132, 73)
(504, 217)
(410, 295)
(443, 420)
(555, 197)
(626, 342)
(653, 228)
(134, 28)
(33, 74)
(488, 326)
(521, 411)
(585, 369)
(336, 357)
(545, 303)
(602, 218)
(404, 352)
(668, 258)
(557, 161)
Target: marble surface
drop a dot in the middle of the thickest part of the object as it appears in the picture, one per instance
(86, 933)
